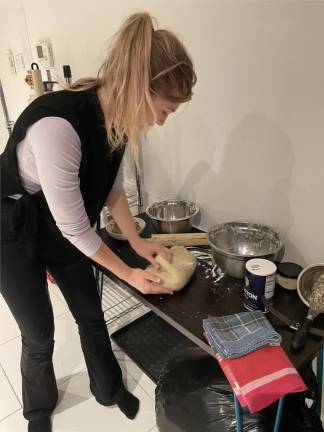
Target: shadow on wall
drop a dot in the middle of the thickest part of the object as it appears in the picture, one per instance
(158, 162)
(252, 182)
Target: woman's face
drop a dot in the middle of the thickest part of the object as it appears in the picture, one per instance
(162, 108)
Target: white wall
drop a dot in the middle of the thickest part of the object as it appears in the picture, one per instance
(14, 38)
(250, 144)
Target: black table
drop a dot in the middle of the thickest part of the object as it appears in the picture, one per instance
(186, 309)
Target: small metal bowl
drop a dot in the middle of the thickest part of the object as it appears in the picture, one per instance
(140, 225)
(172, 216)
(234, 243)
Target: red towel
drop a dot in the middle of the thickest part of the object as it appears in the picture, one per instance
(261, 377)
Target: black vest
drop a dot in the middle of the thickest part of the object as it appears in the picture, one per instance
(32, 221)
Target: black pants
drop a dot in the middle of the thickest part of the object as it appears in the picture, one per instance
(24, 288)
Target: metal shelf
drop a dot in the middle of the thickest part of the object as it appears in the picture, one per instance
(117, 303)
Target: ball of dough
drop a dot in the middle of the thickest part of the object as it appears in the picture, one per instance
(177, 273)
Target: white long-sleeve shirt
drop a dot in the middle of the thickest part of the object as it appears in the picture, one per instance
(49, 158)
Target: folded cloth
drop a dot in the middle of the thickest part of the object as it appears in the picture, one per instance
(235, 335)
(261, 377)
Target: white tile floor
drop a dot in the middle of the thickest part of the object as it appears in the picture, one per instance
(77, 410)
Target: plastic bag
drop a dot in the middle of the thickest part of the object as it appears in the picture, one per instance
(193, 395)
(298, 416)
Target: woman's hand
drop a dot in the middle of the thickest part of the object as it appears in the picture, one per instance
(142, 280)
(149, 250)
(146, 283)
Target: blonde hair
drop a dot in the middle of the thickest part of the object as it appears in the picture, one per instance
(141, 62)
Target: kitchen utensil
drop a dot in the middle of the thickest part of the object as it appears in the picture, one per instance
(316, 306)
(187, 239)
(37, 80)
(234, 243)
(67, 74)
(172, 216)
(294, 325)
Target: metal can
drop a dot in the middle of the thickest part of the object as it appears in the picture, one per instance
(260, 280)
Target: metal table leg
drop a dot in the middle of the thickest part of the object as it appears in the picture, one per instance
(238, 414)
(279, 415)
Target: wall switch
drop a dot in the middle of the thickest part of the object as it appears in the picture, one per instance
(20, 63)
(12, 64)
(44, 53)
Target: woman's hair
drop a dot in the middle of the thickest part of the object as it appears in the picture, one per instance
(141, 62)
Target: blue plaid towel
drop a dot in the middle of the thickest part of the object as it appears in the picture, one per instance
(236, 335)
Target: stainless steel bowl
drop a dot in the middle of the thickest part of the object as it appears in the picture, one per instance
(234, 243)
(307, 279)
(172, 216)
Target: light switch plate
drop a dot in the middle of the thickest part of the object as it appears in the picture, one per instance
(11, 62)
(20, 62)
(44, 52)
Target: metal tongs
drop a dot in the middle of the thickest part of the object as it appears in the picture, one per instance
(294, 325)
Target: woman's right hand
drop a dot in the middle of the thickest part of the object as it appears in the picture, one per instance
(146, 282)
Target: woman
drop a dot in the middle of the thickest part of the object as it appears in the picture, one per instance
(62, 163)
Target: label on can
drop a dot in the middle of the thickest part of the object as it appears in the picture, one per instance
(260, 280)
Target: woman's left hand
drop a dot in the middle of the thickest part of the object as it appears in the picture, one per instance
(149, 250)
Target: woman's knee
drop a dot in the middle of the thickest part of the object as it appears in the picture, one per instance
(94, 325)
(39, 343)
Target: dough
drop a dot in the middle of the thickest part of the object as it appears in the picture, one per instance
(175, 274)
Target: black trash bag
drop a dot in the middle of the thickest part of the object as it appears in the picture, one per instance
(298, 416)
(310, 380)
(193, 395)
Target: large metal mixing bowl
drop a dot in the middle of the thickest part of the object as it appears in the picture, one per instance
(172, 216)
(234, 243)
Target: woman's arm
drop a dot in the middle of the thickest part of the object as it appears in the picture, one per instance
(57, 151)
(118, 206)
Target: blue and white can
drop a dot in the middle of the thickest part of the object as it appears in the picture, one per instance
(260, 280)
